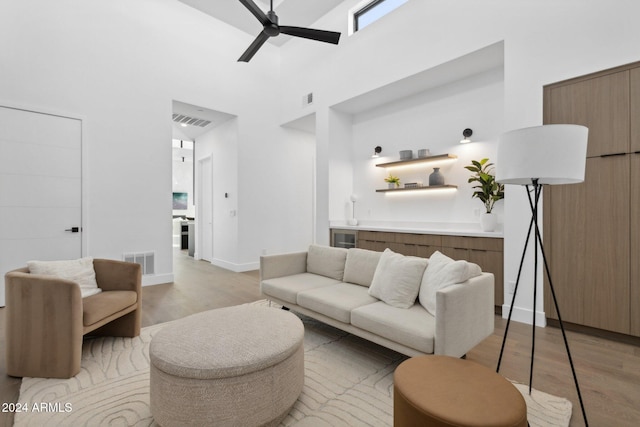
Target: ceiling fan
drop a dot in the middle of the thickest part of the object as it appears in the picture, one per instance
(272, 29)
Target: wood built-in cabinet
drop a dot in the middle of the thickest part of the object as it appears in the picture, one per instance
(592, 229)
(487, 252)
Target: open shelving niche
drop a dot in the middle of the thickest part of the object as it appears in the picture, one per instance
(428, 159)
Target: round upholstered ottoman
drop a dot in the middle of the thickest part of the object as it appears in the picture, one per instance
(445, 391)
(236, 366)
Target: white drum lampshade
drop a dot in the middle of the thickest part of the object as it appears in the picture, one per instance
(552, 154)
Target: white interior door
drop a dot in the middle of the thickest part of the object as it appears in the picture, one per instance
(40, 188)
(205, 209)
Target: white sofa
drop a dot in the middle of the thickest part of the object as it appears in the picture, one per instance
(364, 293)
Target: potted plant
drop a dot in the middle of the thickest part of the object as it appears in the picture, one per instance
(487, 189)
(393, 181)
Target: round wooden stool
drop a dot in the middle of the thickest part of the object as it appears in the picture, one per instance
(445, 391)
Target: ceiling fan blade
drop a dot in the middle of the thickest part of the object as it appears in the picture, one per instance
(257, 12)
(310, 33)
(251, 50)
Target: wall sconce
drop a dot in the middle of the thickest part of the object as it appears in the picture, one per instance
(376, 151)
(466, 134)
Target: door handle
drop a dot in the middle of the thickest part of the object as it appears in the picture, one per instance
(73, 229)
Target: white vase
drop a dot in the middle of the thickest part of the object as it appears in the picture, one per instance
(488, 221)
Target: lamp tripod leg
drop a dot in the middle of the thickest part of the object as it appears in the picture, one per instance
(538, 243)
(564, 335)
(515, 292)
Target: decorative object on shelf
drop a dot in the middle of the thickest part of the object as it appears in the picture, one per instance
(406, 154)
(393, 181)
(423, 153)
(412, 185)
(353, 220)
(436, 177)
(466, 136)
(376, 152)
(533, 157)
(488, 190)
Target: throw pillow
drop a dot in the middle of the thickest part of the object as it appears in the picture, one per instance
(78, 270)
(441, 272)
(396, 280)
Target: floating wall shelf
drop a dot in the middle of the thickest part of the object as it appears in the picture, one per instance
(421, 160)
(430, 187)
(437, 158)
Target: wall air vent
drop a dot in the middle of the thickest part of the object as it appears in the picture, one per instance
(191, 121)
(145, 259)
(307, 99)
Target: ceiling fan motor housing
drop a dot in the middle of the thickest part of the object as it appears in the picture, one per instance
(272, 29)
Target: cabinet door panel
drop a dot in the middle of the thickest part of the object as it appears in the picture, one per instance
(635, 245)
(456, 253)
(491, 262)
(481, 243)
(635, 110)
(426, 251)
(601, 104)
(565, 246)
(366, 244)
(606, 286)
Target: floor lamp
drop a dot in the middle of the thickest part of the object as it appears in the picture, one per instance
(533, 157)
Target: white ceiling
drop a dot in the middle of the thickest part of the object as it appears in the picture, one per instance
(296, 13)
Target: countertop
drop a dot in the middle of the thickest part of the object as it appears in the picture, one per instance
(449, 229)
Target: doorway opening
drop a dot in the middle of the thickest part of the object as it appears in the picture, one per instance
(193, 130)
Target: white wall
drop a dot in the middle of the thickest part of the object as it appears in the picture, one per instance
(221, 143)
(432, 119)
(118, 65)
(544, 41)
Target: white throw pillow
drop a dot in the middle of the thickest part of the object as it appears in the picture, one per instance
(396, 280)
(441, 272)
(78, 270)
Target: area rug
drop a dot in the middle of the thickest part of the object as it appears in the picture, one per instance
(348, 382)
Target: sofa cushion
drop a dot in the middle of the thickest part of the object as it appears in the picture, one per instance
(77, 270)
(336, 301)
(286, 288)
(361, 266)
(326, 261)
(441, 272)
(397, 278)
(100, 306)
(413, 327)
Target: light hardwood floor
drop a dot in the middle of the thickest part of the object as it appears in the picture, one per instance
(608, 371)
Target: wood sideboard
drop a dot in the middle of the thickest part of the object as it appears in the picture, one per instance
(487, 252)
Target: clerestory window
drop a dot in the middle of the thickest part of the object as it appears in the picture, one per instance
(372, 11)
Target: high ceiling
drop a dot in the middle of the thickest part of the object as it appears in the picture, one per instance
(297, 13)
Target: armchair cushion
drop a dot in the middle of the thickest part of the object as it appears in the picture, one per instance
(98, 307)
(78, 270)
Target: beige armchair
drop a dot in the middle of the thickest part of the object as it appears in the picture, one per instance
(46, 317)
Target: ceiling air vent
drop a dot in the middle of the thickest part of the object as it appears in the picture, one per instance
(192, 121)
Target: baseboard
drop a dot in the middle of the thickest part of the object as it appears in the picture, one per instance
(156, 279)
(236, 268)
(524, 315)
